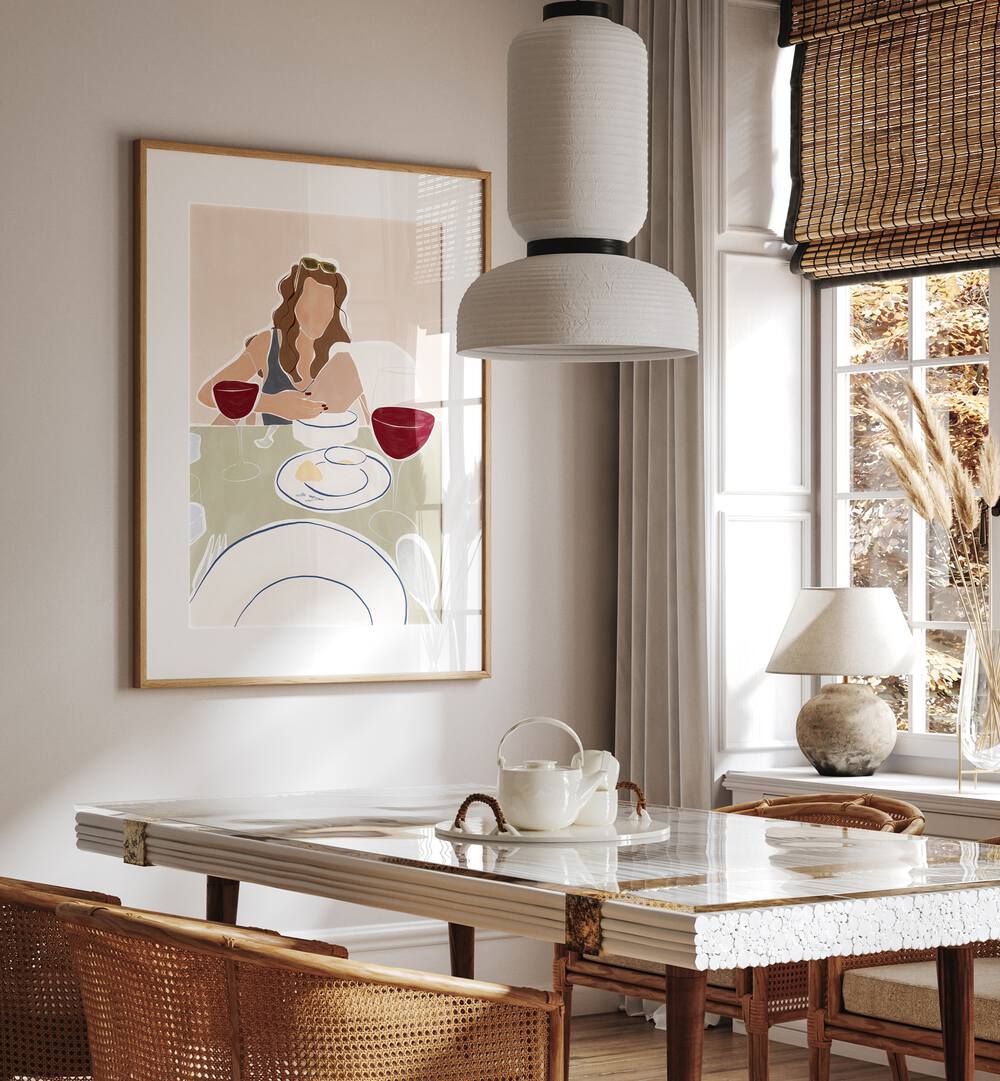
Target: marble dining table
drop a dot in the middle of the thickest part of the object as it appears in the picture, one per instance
(713, 891)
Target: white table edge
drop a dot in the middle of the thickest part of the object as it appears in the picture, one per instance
(705, 940)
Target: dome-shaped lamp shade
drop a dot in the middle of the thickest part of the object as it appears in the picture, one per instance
(578, 307)
(578, 121)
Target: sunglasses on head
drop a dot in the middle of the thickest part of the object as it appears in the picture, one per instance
(307, 262)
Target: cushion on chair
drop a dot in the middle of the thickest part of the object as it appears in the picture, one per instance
(908, 994)
(724, 977)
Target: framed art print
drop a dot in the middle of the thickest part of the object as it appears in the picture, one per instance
(312, 453)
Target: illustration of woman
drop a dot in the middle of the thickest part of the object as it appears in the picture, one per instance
(287, 357)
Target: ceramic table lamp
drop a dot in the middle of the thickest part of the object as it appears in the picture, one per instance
(845, 730)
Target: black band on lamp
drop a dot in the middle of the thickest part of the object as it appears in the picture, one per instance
(591, 245)
(576, 7)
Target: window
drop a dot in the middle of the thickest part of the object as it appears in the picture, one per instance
(936, 331)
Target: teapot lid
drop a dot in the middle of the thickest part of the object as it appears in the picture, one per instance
(540, 763)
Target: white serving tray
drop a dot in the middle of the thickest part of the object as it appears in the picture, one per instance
(625, 831)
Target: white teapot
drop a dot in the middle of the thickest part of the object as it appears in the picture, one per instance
(540, 794)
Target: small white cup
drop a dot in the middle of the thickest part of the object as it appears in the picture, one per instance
(344, 456)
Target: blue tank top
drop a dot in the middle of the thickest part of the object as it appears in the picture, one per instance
(275, 379)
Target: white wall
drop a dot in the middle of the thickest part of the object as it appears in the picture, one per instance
(757, 319)
(383, 79)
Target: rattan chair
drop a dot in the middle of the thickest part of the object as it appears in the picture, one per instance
(759, 997)
(867, 811)
(167, 998)
(43, 1035)
(889, 1001)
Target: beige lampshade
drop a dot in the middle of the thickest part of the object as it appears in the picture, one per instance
(844, 632)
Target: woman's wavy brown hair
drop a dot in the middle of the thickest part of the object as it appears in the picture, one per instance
(290, 287)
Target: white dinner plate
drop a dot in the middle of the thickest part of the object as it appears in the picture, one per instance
(339, 487)
(300, 574)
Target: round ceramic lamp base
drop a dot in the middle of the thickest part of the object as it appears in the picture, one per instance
(846, 730)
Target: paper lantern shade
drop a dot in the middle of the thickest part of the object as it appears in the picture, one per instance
(577, 192)
(577, 130)
(578, 307)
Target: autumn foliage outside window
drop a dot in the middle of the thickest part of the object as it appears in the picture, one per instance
(934, 330)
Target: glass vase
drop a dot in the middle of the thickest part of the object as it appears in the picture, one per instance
(979, 706)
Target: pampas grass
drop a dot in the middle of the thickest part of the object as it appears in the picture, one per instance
(964, 496)
(900, 435)
(989, 471)
(914, 482)
(935, 433)
(940, 500)
(941, 490)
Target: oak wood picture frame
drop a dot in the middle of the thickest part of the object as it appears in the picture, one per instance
(141, 677)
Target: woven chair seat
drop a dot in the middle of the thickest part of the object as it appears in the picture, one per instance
(909, 994)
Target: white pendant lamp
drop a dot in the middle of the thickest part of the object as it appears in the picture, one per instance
(578, 121)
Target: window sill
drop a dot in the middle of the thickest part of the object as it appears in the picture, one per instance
(935, 796)
(927, 745)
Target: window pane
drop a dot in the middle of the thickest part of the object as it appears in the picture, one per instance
(880, 326)
(960, 395)
(950, 320)
(958, 315)
(894, 691)
(944, 651)
(870, 472)
(948, 566)
(880, 545)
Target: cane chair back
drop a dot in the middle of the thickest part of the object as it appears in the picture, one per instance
(867, 811)
(43, 1034)
(168, 998)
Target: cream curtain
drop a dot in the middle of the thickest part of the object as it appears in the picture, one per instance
(661, 719)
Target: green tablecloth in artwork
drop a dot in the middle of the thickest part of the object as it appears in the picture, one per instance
(234, 508)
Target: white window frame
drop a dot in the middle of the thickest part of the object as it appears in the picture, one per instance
(834, 342)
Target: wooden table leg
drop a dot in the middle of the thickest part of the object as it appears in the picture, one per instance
(222, 897)
(685, 1023)
(954, 973)
(462, 946)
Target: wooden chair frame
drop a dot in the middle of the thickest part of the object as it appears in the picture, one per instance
(905, 817)
(828, 1020)
(37, 895)
(232, 944)
(763, 996)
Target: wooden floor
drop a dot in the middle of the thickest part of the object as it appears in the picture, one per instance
(614, 1047)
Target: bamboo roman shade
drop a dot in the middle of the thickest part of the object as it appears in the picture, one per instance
(895, 134)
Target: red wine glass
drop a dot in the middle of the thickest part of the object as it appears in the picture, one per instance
(401, 430)
(236, 400)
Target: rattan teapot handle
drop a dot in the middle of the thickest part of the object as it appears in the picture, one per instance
(503, 826)
(640, 796)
